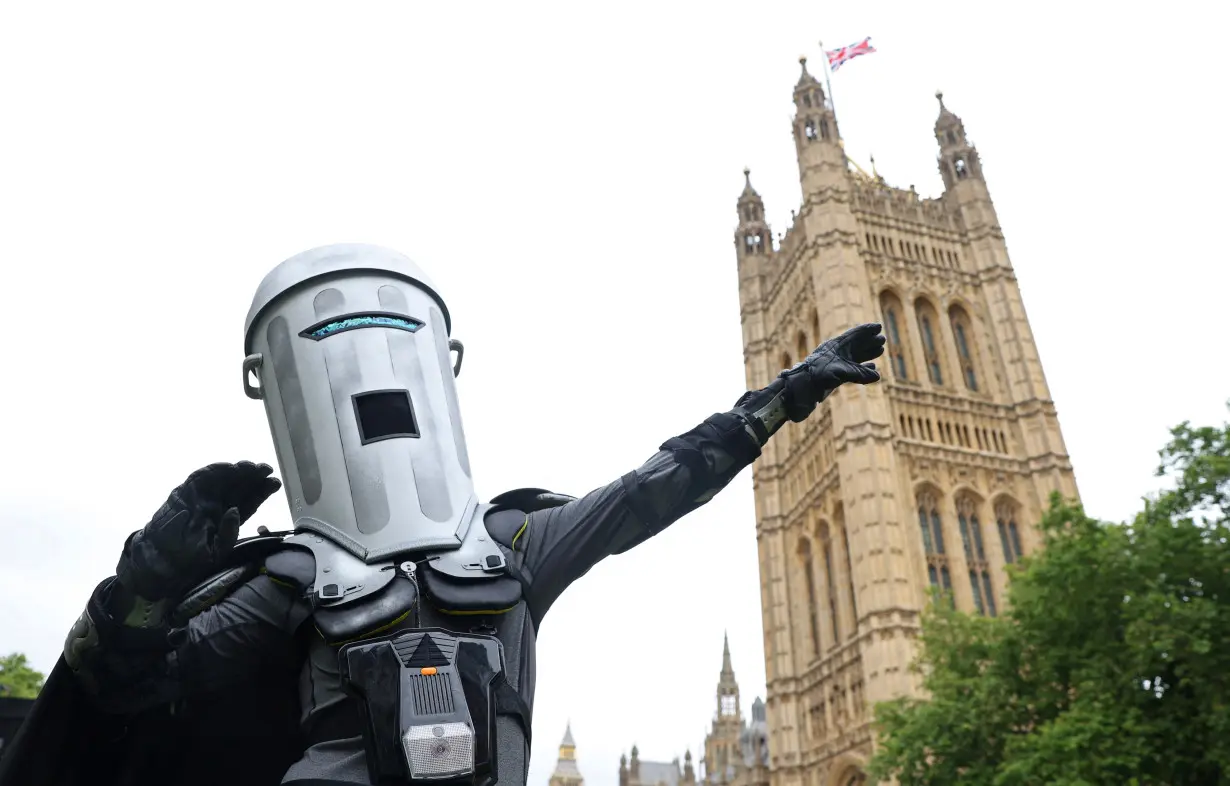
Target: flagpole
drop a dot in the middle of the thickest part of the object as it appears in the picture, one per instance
(828, 86)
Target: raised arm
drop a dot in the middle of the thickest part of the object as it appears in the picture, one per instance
(125, 649)
(559, 545)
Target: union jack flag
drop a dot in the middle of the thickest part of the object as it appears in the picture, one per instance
(839, 57)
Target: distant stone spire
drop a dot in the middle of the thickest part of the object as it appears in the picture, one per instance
(806, 80)
(727, 669)
(566, 772)
(748, 191)
(945, 113)
(727, 687)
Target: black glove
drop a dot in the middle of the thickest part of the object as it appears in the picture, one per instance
(194, 530)
(838, 360)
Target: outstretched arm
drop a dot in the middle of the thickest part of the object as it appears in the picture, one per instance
(559, 545)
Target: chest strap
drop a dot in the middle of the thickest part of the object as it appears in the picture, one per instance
(344, 720)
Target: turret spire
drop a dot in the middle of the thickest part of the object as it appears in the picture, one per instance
(748, 191)
(958, 159)
(814, 121)
(752, 237)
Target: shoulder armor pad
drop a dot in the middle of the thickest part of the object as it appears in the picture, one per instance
(530, 500)
(505, 526)
(210, 592)
(293, 565)
(248, 558)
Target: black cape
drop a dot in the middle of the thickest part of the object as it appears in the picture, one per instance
(246, 735)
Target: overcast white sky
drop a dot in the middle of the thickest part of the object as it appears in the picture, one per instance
(567, 172)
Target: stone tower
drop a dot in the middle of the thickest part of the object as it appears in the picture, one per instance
(722, 751)
(932, 478)
(735, 753)
(566, 772)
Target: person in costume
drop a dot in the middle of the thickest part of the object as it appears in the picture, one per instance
(389, 637)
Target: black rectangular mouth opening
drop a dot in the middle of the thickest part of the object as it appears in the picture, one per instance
(384, 414)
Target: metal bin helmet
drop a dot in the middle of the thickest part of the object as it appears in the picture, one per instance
(350, 349)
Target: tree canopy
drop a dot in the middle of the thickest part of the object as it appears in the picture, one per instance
(1111, 664)
(17, 679)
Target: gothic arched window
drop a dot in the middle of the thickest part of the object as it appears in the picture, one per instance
(824, 128)
(851, 598)
(927, 325)
(813, 605)
(826, 545)
(961, 169)
(932, 528)
(894, 325)
(1009, 536)
(929, 522)
(809, 129)
(845, 547)
(965, 352)
(976, 556)
(971, 529)
(988, 592)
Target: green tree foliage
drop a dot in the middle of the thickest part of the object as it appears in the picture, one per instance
(1112, 665)
(17, 679)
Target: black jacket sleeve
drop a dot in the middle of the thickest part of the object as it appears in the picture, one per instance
(251, 628)
(559, 545)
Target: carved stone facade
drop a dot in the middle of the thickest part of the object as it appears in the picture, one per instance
(641, 772)
(934, 477)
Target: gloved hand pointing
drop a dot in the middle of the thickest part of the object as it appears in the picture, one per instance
(836, 361)
(194, 530)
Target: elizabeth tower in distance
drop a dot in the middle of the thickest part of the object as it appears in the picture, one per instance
(935, 477)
